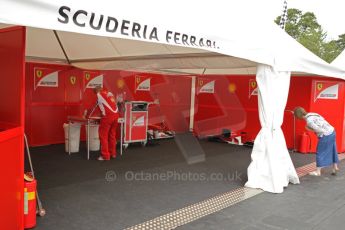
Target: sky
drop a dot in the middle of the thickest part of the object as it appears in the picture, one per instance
(330, 14)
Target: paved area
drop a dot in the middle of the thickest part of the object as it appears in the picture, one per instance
(318, 203)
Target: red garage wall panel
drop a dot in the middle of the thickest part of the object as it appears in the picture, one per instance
(222, 102)
(299, 95)
(331, 109)
(173, 93)
(46, 103)
(48, 107)
(303, 92)
(12, 59)
(231, 106)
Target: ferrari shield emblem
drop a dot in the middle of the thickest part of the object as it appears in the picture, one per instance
(87, 76)
(201, 82)
(253, 84)
(137, 78)
(73, 80)
(39, 73)
(319, 86)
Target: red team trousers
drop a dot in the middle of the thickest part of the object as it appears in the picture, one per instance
(107, 136)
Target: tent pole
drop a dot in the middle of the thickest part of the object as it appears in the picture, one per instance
(192, 105)
(61, 46)
(192, 102)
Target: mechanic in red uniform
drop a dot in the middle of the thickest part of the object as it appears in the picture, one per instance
(107, 128)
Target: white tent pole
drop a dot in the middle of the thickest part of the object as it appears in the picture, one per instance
(192, 104)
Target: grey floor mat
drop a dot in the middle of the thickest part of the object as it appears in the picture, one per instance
(143, 183)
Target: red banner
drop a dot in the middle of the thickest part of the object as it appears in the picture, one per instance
(142, 83)
(326, 90)
(205, 85)
(45, 77)
(92, 80)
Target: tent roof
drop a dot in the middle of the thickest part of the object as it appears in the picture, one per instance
(340, 61)
(95, 52)
(240, 39)
(105, 53)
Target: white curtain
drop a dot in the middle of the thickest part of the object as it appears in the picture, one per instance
(271, 168)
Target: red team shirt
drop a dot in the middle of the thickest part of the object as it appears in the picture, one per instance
(107, 103)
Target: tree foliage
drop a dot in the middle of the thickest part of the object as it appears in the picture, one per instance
(306, 30)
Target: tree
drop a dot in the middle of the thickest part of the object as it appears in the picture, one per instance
(331, 51)
(306, 30)
(313, 40)
(341, 41)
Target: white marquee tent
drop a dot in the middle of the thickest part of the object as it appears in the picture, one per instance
(340, 61)
(180, 37)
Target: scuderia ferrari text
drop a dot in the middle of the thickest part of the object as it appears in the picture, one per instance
(110, 24)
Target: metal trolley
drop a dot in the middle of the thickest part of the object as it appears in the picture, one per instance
(135, 122)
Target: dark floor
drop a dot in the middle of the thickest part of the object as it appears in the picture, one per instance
(144, 183)
(318, 203)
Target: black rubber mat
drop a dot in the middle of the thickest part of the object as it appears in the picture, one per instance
(143, 183)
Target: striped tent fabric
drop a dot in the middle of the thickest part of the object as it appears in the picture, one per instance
(283, 18)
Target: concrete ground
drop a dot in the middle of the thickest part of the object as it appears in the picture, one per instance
(148, 182)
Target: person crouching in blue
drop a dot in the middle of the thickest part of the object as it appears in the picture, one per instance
(326, 153)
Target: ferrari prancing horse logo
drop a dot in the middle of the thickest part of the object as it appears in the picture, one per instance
(253, 84)
(73, 80)
(137, 78)
(39, 73)
(319, 86)
(87, 76)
